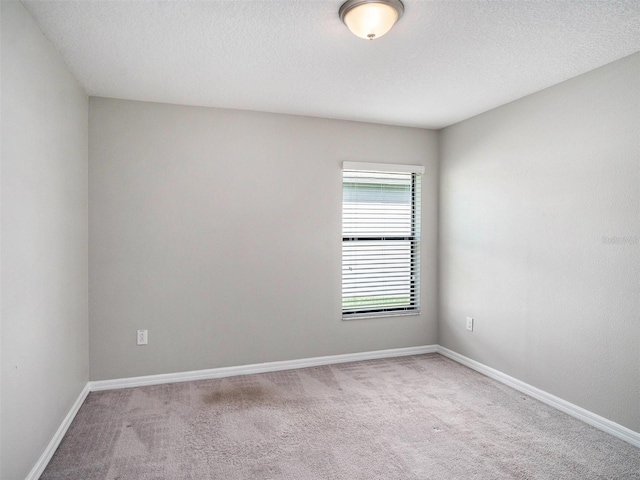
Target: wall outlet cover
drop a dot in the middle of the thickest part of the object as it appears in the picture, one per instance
(142, 337)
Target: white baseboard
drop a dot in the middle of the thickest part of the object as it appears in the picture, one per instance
(580, 413)
(44, 459)
(255, 368)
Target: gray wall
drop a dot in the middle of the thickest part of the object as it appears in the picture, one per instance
(219, 231)
(45, 360)
(539, 240)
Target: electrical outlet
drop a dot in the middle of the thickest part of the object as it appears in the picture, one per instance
(142, 337)
(470, 324)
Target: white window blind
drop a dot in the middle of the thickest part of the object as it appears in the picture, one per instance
(380, 240)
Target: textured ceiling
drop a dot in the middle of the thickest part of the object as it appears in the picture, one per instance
(443, 62)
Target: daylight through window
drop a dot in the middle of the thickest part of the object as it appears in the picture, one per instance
(380, 239)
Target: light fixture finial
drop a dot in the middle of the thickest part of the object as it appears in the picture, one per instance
(370, 19)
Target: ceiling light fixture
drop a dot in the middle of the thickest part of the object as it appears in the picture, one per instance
(370, 19)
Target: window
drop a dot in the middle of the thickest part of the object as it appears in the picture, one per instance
(380, 239)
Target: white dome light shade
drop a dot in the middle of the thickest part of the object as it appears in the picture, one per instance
(370, 19)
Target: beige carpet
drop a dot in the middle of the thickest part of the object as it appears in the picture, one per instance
(419, 417)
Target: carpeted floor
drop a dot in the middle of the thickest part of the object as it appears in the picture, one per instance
(418, 417)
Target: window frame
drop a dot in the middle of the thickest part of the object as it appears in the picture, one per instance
(413, 238)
